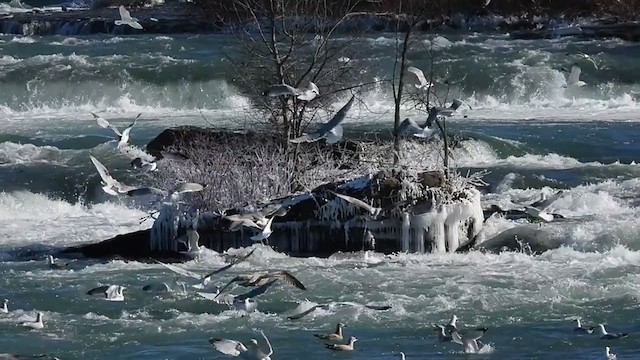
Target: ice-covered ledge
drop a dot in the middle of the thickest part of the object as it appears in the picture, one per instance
(418, 215)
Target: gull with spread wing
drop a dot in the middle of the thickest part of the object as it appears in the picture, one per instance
(331, 131)
(332, 306)
(123, 137)
(126, 19)
(236, 348)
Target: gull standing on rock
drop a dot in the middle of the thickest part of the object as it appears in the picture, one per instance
(126, 19)
(343, 347)
(236, 348)
(331, 131)
(305, 94)
(37, 324)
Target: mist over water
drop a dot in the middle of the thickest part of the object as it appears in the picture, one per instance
(530, 134)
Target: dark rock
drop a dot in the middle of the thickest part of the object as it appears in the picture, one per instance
(530, 239)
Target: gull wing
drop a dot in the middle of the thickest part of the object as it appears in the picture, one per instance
(538, 213)
(124, 138)
(544, 203)
(574, 76)
(269, 350)
(282, 90)
(286, 276)
(255, 292)
(235, 279)
(111, 292)
(179, 270)
(135, 25)
(228, 347)
(226, 267)
(188, 187)
(419, 80)
(124, 13)
(359, 203)
(266, 231)
(304, 313)
(301, 139)
(103, 123)
(409, 126)
(100, 290)
(335, 121)
(334, 135)
(102, 170)
(146, 191)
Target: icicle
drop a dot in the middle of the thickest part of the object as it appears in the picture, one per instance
(406, 226)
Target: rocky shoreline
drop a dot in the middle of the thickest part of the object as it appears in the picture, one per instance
(177, 18)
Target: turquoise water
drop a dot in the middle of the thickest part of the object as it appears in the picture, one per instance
(533, 136)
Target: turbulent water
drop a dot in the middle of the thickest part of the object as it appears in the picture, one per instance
(531, 134)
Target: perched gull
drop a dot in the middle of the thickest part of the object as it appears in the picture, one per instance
(5, 308)
(123, 137)
(436, 111)
(410, 127)
(610, 355)
(126, 19)
(110, 292)
(416, 77)
(203, 280)
(38, 324)
(574, 77)
(334, 336)
(265, 233)
(263, 277)
(469, 339)
(331, 131)
(333, 305)
(579, 329)
(343, 347)
(53, 265)
(111, 185)
(604, 335)
(305, 94)
(236, 348)
(373, 211)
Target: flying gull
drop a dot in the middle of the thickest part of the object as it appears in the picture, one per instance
(126, 19)
(410, 127)
(5, 308)
(574, 77)
(604, 335)
(168, 196)
(538, 209)
(265, 233)
(110, 292)
(242, 302)
(343, 347)
(262, 277)
(469, 340)
(416, 77)
(334, 336)
(333, 305)
(236, 348)
(579, 329)
(451, 325)
(331, 131)
(123, 137)
(609, 354)
(373, 211)
(110, 185)
(436, 111)
(203, 280)
(442, 334)
(305, 94)
(37, 324)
